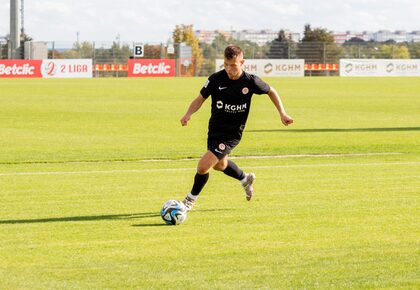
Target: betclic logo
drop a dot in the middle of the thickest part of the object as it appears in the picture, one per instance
(151, 68)
(20, 68)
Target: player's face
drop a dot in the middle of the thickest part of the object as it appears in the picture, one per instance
(233, 67)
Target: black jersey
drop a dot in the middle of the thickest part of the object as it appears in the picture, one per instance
(231, 101)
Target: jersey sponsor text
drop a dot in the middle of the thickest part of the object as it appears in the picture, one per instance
(229, 108)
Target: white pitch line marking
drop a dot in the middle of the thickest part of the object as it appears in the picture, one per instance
(193, 168)
(283, 156)
(197, 158)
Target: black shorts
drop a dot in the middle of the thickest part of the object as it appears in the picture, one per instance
(221, 148)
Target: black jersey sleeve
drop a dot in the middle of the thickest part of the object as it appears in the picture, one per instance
(260, 86)
(207, 89)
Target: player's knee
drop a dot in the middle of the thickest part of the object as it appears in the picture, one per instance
(217, 167)
(221, 165)
(202, 169)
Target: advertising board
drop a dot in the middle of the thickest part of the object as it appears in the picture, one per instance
(20, 69)
(379, 67)
(47, 68)
(271, 67)
(151, 67)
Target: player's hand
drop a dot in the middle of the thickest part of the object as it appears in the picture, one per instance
(184, 120)
(286, 120)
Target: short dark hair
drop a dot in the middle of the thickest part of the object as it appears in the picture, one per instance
(232, 51)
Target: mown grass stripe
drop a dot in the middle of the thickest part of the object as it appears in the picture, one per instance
(193, 168)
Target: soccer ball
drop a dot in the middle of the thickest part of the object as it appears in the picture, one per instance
(173, 212)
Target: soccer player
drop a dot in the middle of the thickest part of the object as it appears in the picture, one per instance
(231, 90)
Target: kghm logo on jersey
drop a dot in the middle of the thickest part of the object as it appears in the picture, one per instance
(231, 108)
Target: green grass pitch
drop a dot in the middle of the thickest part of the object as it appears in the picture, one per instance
(85, 166)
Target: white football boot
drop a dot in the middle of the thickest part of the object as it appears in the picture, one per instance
(189, 203)
(247, 185)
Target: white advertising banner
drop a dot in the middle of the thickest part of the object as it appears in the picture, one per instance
(379, 67)
(66, 68)
(271, 67)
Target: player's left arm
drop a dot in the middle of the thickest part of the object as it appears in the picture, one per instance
(275, 98)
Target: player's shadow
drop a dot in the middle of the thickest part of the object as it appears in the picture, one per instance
(82, 218)
(197, 210)
(133, 216)
(328, 130)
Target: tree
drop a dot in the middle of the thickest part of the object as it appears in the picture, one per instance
(219, 44)
(318, 46)
(80, 50)
(120, 53)
(414, 48)
(185, 33)
(393, 51)
(55, 54)
(354, 40)
(354, 47)
(116, 53)
(317, 35)
(23, 38)
(208, 66)
(251, 49)
(282, 47)
(4, 48)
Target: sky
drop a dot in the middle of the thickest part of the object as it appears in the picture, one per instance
(152, 21)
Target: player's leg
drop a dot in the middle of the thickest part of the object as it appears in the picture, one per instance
(207, 162)
(231, 169)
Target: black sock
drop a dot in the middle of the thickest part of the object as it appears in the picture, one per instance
(234, 171)
(199, 181)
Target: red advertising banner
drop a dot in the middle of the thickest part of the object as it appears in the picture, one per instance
(151, 67)
(20, 68)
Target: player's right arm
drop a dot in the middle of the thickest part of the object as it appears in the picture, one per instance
(275, 98)
(194, 107)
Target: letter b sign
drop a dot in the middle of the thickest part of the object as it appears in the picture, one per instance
(138, 50)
